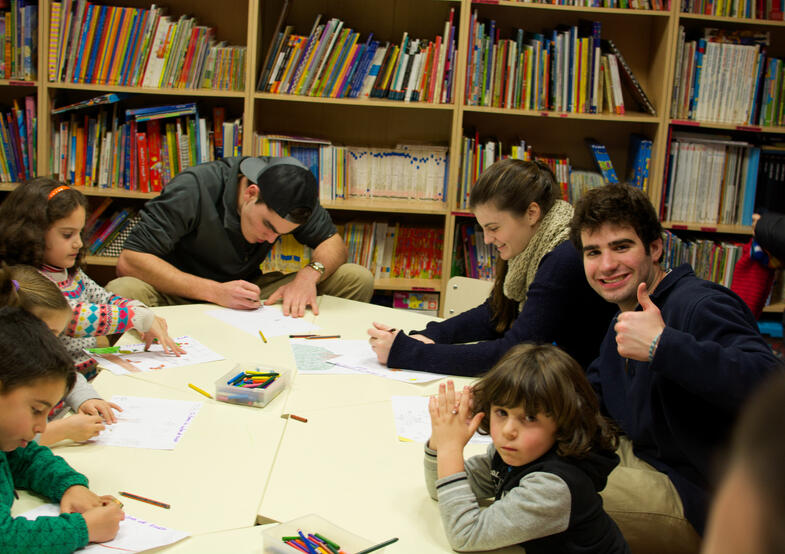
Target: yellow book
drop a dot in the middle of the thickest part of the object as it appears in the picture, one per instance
(106, 55)
(390, 66)
(297, 89)
(125, 40)
(345, 67)
(54, 39)
(584, 74)
(169, 42)
(529, 63)
(322, 79)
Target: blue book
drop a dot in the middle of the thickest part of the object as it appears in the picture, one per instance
(699, 51)
(571, 76)
(88, 76)
(338, 64)
(603, 160)
(750, 186)
(129, 55)
(159, 112)
(364, 69)
(78, 66)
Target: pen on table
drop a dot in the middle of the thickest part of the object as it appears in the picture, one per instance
(200, 391)
(378, 546)
(314, 337)
(262, 335)
(301, 336)
(143, 499)
(296, 417)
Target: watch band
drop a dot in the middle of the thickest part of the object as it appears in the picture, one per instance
(318, 266)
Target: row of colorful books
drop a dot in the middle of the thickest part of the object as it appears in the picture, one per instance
(141, 149)
(710, 260)
(471, 256)
(106, 231)
(19, 40)
(388, 250)
(477, 155)
(564, 71)
(115, 45)
(18, 141)
(333, 61)
(753, 9)
(623, 4)
(412, 172)
(710, 180)
(721, 77)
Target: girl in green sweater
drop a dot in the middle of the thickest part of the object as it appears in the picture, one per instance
(35, 373)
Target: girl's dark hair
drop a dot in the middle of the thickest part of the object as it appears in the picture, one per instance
(758, 451)
(545, 379)
(26, 216)
(31, 289)
(29, 351)
(618, 204)
(512, 185)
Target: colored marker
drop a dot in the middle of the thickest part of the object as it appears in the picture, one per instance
(378, 546)
(314, 337)
(301, 336)
(296, 417)
(262, 335)
(143, 499)
(200, 391)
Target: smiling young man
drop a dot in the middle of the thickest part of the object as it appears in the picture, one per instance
(205, 236)
(674, 368)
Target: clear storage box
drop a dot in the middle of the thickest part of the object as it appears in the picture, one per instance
(313, 524)
(258, 397)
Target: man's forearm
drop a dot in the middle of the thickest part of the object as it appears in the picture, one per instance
(331, 253)
(165, 277)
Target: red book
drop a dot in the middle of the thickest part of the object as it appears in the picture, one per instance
(219, 114)
(154, 153)
(134, 183)
(144, 162)
(192, 43)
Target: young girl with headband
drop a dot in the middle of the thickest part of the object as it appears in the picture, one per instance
(42, 224)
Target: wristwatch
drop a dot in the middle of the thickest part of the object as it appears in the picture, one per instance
(318, 266)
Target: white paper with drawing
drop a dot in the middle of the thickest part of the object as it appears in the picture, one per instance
(134, 535)
(413, 422)
(267, 319)
(131, 358)
(315, 356)
(152, 423)
(361, 358)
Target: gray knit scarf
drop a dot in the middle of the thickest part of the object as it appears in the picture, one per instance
(554, 229)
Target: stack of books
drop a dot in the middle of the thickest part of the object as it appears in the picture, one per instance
(333, 61)
(622, 4)
(478, 259)
(19, 35)
(710, 260)
(18, 142)
(115, 45)
(752, 9)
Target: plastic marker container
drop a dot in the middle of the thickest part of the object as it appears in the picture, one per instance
(251, 384)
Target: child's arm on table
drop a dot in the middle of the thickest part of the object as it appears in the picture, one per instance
(84, 399)
(77, 427)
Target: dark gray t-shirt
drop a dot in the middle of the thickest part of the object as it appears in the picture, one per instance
(194, 225)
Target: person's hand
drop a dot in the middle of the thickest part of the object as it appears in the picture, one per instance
(452, 423)
(78, 499)
(636, 330)
(755, 218)
(100, 407)
(103, 522)
(296, 296)
(81, 427)
(382, 337)
(422, 338)
(159, 331)
(238, 295)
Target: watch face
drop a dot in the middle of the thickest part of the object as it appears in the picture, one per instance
(318, 266)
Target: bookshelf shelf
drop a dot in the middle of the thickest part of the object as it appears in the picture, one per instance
(708, 227)
(95, 191)
(107, 261)
(573, 9)
(388, 206)
(776, 307)
(408, 284)
(729, 126)
(626, 118)
(18, 83)
(197, 92)
(734, 20)
(375, 103)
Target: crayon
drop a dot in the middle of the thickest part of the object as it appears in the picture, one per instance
(378, 546)
(200, 391)
(143, 499)
(262, 335)
(314, 337)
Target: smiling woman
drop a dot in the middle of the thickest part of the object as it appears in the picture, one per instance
(540, 285)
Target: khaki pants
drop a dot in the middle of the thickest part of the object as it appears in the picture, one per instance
(645, 505)
(350, 281)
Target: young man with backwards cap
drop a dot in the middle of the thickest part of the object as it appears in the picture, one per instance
(205, 236)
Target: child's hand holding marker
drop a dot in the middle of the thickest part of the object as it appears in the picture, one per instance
(159, 332)
(382, 338)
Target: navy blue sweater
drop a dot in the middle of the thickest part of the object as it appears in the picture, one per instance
(679, 408)
(560, 308)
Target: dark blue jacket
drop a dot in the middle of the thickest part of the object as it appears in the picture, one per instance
(679, 408)
(560, 308)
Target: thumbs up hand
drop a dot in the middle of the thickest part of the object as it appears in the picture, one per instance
(636, 330)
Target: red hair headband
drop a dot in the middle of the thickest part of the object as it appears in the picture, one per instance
(57, 190)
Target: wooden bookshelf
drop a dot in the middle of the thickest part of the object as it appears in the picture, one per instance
(647, 38)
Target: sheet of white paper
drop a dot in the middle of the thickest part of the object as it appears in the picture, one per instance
(132, 358)
(362, 358)
(314, 356)
(135, 535)
(413, 422)
(152, 423)
(267, 319)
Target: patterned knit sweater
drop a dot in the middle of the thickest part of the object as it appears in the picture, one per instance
(37, 469)
(96, 312)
